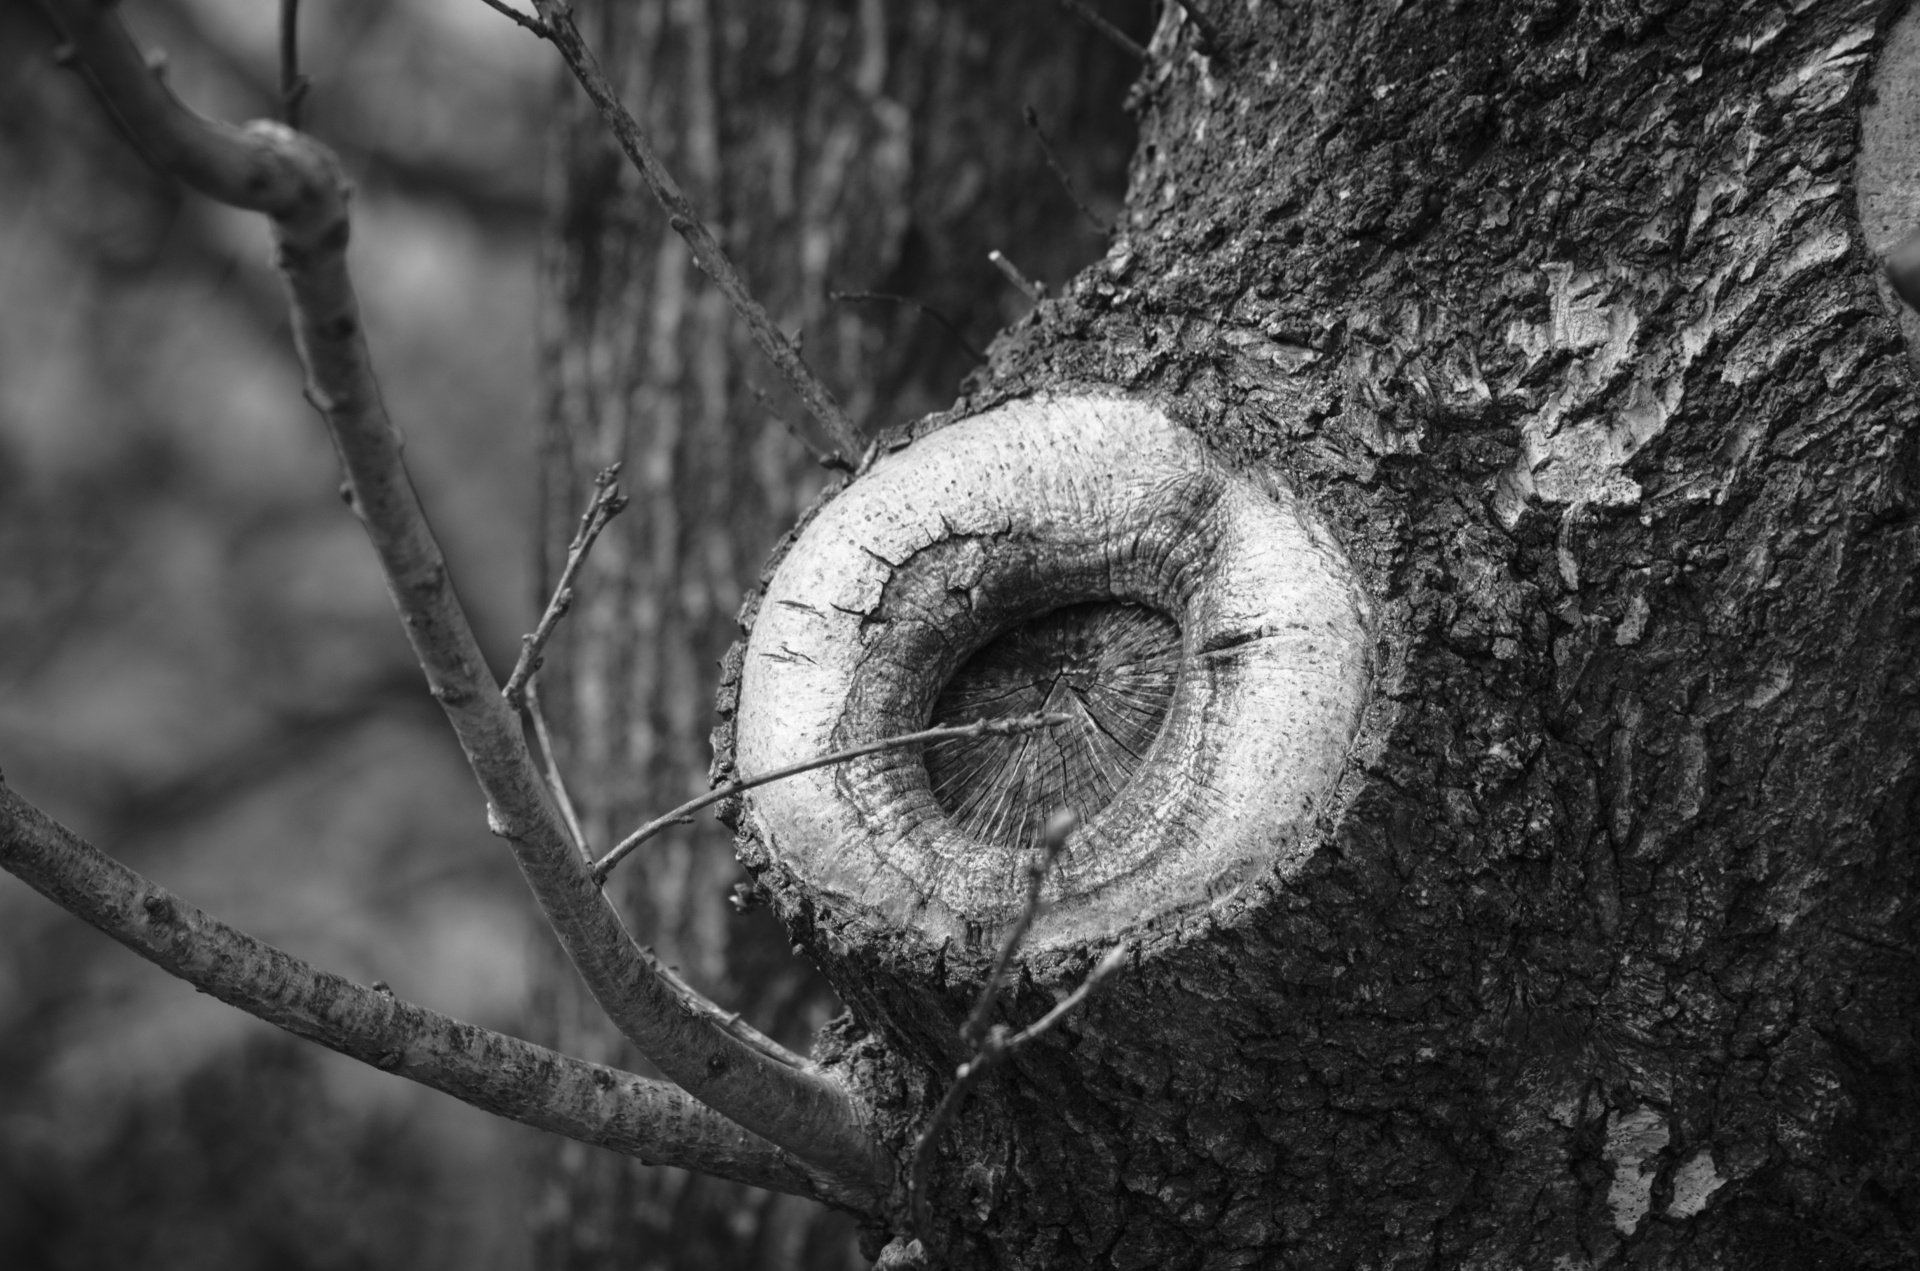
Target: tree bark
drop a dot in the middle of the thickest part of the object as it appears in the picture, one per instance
(846, 146)
(1558, 319)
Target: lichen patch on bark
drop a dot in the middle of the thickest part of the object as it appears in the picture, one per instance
(1694, 1184)
(1635, 1141)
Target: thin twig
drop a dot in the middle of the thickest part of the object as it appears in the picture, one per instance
(293, 85)
(998, 1044)
(1080, 9)
(1114, 959)
(713, 1055)
(498, 1073)
(558, 28)
(1033, 290)
(1053, 161)
(607, 502)
(988, 1043)
(549, 761)
(890, 298)
(1053, 841)
(531, 23)
(822, 456)
(684, 813)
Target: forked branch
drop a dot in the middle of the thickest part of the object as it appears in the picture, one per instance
(607, 503)
(993, 1043)
(1059, 828)
(999, 1043)
(268, 167)
(654, 1120)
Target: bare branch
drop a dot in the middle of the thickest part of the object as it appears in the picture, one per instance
(1032, 118)
(952, 328)
(1115, 958)
(607, 503)
(653, 1120)
(821, 455)
(994, 1049)
(557, 23)
(992, 1045)
(1082, 10)
(684, 813)
(268, 167)
(1053, 842)
(532, 24)
(549, 761)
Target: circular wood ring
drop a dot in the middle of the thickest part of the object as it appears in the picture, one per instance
(993, 521)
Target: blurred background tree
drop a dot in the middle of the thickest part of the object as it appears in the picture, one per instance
(200, 669)
(200, 666)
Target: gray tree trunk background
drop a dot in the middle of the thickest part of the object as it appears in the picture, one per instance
(856, 146)
(1562, 318)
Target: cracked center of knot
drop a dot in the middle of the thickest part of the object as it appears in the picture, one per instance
(1110, 667)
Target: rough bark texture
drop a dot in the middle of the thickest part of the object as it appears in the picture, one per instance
(1560, 317)
(832, 146)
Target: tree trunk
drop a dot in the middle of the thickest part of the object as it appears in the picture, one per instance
(1557, 321)
(847, 146)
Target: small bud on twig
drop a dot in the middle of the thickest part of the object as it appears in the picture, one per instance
(1032, 118)
(1080, 9)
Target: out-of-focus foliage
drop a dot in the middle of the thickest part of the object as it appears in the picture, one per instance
(199, 668)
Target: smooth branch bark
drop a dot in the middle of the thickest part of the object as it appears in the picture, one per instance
(649, 1119)
(297, 183)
